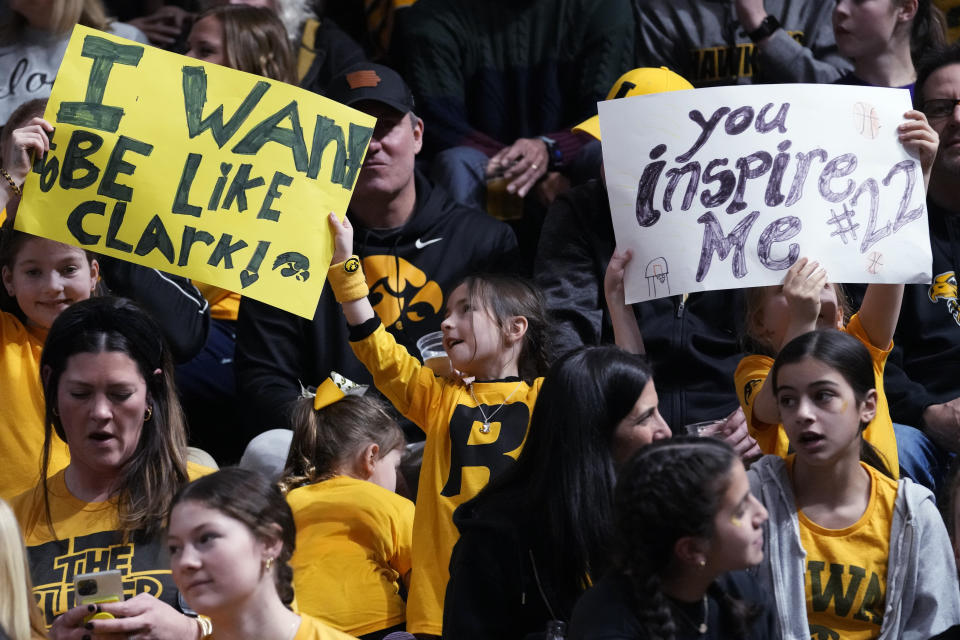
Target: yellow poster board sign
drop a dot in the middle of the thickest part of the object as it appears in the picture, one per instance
(194, 169)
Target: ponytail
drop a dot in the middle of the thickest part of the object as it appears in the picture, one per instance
(651, 605)
(326, 439)
(928, 30)
(870, 455)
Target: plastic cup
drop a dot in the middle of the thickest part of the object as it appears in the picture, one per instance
(433, 354)
(501, 204)
(703, 428)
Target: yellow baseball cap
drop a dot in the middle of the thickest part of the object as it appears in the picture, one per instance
(639, 82)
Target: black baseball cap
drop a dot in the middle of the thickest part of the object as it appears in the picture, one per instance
(369, 81)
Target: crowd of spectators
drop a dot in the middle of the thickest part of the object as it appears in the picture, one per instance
(529, 486)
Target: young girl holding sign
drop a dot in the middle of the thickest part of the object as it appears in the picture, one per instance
(42, 278)
(806, 301)
(849, 553)
(494, 333)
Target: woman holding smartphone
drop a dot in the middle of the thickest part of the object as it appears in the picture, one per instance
(109, 394)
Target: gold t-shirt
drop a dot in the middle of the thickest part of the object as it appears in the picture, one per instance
(22, 410)
(846, 573)
(751, 375)
(354, 543)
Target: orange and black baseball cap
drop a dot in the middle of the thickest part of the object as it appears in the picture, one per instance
(639, 82)
(369, 81)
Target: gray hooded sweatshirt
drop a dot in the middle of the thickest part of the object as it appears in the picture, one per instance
(922, 594)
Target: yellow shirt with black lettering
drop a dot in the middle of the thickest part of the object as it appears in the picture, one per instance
(751, 375)
(85, 539)
(459, 457)
(354, 543)
(22, 409)
(846, 572)
(312, 629)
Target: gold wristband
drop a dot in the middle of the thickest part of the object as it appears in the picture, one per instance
(13, 185)
(347, 280)
(206, 627)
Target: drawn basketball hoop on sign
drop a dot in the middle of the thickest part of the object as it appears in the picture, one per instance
(865, 119)
(658, 284)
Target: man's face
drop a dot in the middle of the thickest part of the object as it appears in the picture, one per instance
(388, 166)
(944, 83)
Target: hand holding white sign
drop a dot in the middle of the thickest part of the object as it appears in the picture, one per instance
(754, 177)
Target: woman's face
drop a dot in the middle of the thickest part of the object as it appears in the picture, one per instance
(217, 562)
(820, 414)
(641, 426)
(865, 28)
(46, 277)
(737, 541)
(102, 402)
(206, 41)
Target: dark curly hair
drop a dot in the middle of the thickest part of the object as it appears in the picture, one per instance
(670, 490)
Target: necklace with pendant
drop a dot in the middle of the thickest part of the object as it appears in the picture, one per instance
(702, 627)
(485, 427)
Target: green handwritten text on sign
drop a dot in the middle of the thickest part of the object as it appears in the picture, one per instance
(194, 169)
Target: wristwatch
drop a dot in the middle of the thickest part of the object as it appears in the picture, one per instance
(767, 26)
(554, 155)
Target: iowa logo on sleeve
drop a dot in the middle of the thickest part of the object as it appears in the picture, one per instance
(944, 287)
(400, 292)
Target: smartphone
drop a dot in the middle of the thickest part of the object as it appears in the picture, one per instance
(96, 588)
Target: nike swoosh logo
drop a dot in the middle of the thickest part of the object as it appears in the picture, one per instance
(420, 245)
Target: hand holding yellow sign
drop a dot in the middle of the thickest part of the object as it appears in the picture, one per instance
(194, 169)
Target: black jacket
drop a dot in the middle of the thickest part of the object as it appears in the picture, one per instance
(501, 585)
(278, 352)
(924, 367)
(177, 306)
(692, 344)
(334, 52)
(606, 612)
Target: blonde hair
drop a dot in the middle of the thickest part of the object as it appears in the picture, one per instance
(255, 41)
(19, 614)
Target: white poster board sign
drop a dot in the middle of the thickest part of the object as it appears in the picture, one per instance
(727, 187)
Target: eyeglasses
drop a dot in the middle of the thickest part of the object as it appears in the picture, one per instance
(940, 108)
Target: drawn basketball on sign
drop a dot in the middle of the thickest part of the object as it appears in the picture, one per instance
(865, 119)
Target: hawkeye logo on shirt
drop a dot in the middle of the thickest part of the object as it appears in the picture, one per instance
(719, 64)
(400, 291)
(944, 287)
(862, 599)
